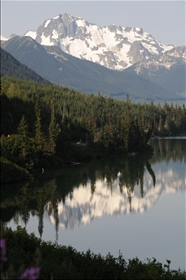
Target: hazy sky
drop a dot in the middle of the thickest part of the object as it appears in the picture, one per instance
(165, 20)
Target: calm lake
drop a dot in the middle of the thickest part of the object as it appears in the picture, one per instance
(133, 205)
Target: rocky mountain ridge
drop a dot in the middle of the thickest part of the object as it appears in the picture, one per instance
(114, 47)
(168, 70)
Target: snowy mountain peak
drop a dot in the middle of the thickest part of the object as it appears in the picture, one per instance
(112, 46)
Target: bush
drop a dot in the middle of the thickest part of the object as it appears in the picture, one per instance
(52, 261)
(11, 172)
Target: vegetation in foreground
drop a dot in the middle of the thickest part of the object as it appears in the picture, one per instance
(43, 260)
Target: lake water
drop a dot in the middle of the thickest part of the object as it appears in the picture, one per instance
(133, 205)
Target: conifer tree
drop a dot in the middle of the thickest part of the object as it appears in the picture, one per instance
(22, 130)
(39, 136)
(91, 127)
(52, 130)
(126, 125)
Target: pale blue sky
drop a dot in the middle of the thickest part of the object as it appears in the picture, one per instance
(165, 20)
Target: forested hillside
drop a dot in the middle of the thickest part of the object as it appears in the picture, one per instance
(47, 125)
(13, 68)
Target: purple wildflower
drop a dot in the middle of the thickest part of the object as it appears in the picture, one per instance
(31, 273)
(3, 249)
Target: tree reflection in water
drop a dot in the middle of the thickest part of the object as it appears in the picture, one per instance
(45, 192)
(42, 193)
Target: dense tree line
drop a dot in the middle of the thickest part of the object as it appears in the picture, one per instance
(42, 123)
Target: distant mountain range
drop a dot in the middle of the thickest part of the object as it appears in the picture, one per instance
(114, 61)
(168, 70)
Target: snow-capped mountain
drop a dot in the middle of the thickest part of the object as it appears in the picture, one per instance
(61, 46)
(114, 47)
(167, 69)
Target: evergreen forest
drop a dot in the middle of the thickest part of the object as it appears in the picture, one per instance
(47, 126)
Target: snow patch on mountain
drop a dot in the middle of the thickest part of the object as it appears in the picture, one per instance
(47, 22)
(54, 34)
(46, 40)
(31, 34)
(55, 17)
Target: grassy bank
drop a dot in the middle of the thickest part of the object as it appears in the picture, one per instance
(61, 262)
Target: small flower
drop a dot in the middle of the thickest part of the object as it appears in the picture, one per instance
(31, 273)
(3, 249)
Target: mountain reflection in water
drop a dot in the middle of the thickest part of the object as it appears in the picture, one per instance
(75, 196)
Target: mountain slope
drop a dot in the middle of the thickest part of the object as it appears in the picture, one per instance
(13, 68)
(88, 77)
(168, 70)
(114, 47)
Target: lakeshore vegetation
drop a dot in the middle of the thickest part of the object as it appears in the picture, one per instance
(52, 261)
